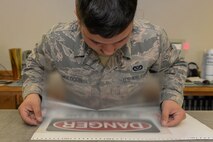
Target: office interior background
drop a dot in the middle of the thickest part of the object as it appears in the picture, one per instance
(24, 21)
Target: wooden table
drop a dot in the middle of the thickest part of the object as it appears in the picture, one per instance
(198, 91)
(10, 97)
(14, 130)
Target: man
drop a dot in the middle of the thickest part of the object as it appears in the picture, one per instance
(105, 55)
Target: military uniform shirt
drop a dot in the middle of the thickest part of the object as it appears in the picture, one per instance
(88, 82)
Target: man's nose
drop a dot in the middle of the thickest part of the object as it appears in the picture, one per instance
(108, 49)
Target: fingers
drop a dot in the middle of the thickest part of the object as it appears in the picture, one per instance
(175, 119)
(30, 110)
(28, 117)
(172, 119)
(165, 117)
(172, 114)
(37, 113)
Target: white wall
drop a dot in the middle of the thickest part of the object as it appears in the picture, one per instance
(22, 22)
(189, 20)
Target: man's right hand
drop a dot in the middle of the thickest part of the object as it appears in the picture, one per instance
(30, 110)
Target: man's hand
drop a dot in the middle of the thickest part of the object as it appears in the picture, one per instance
(172, 114)
(30, 110)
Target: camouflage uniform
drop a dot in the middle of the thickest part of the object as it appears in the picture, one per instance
(148, 50)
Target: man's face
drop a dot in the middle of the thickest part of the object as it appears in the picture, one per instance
(106, 46)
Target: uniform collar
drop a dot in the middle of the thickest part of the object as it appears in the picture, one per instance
(126, 49)
(80, 46)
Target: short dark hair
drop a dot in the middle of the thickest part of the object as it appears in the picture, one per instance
(106, 18)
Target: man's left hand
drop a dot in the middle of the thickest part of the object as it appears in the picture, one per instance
(172, 113)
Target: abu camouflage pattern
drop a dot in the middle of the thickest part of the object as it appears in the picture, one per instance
(120, 81)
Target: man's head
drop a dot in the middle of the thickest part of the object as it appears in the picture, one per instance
(106, 23)
(106, 18)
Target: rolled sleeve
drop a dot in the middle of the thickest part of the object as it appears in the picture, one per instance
(35, 72)
(173, 70)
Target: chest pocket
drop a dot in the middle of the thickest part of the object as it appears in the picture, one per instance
(77, 82)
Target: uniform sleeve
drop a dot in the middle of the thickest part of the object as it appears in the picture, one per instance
(38, 64)
(172, 69)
